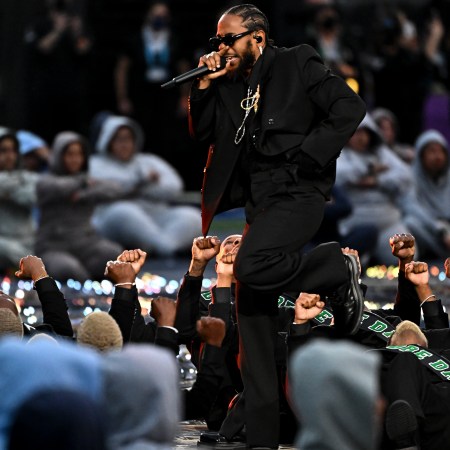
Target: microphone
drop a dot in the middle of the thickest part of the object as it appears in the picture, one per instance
(192, 74)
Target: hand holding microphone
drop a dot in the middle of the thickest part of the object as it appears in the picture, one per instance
(212, 65)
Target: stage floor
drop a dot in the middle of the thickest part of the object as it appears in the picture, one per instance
(190, 432)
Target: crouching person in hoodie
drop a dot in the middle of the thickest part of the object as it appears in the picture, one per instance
(67, 197)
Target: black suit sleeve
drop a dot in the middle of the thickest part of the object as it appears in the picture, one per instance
(407, 303)
(54, 307)
(124, 309)
(299, 335)
(188, 308)
(166, 337)
(200, 398)
(202, 107)
(343, 109)
(434, 315)
(220, 306)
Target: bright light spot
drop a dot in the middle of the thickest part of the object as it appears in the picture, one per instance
(19, 294)
(381, 272)
(434, 271)
(388, 306)
(5, 286)
(139, 283)
(107, 286)
(353, 84)
(170, 290)
(206, 283)
(87, 310)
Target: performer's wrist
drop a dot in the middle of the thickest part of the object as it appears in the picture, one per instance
(203, 83)
(197, 268)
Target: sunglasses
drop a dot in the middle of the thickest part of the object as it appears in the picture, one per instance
(228, 39)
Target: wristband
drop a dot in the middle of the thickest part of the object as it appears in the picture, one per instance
(123, 284)
(41, 278)
(430, 296)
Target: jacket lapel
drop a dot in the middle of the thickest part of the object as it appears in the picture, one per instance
(232, 97)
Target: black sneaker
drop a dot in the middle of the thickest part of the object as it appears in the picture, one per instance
(213, 439)
(401, 424)
(348, 303)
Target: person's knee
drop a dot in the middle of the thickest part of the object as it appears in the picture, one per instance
(63, 266)
(190, 218)
(116, 214)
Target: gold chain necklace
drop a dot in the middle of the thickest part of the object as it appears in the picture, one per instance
(249, 102)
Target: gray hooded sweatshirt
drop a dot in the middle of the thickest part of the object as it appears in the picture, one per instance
(17, 199)
(429, 201)
(378, 204)
(141, 398)
(334, 389)
(133, 175)
(67, 202)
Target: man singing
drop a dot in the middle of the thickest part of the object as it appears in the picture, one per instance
(276, 120)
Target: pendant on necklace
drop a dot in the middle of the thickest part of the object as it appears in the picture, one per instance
(255, 104)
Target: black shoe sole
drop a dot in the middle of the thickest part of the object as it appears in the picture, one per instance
(224, 445)
(356, 293)
(401, 424)
(215, 440)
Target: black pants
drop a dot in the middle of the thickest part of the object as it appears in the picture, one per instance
(283, 214)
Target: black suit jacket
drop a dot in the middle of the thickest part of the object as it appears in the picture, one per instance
(303, 107)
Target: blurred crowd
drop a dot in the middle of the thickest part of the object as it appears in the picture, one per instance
(93, 177)
(102, 156)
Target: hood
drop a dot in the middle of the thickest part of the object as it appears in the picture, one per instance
(421, 142)
(336, 406)
(9, 133)
(28, 142)
(383, 113)
(60, 143)
(429, 136)
(28, 369)
(142, 398)
(58, 418)
(109, 129)
(369, 124)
